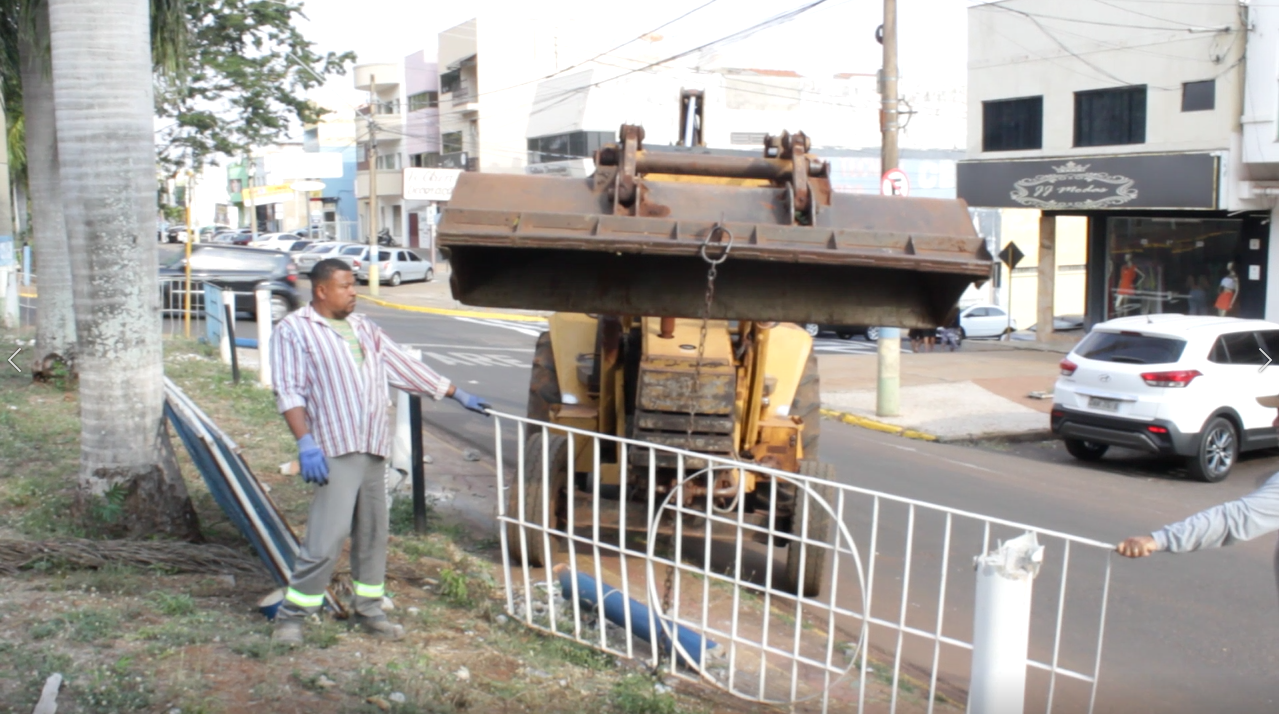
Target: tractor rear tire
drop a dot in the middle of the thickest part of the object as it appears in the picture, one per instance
(544, 383)
(808, 406)
(820, 529)
(555, 450)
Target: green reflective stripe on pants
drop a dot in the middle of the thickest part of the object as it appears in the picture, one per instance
(304, 600)
(363, 590)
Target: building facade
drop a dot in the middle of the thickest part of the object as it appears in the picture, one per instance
(1127, 121)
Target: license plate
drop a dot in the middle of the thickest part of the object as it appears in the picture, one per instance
(1109, 405)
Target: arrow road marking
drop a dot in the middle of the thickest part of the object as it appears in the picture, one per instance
(1268, 361)
(15, 354)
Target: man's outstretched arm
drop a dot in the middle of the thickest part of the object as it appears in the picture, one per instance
(1253, 515)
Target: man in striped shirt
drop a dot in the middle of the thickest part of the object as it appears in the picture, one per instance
(331, 369)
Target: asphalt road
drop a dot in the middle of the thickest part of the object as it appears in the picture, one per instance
(1190, 633)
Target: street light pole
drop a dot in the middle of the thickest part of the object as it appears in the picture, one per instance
(888, 392)
(374, 278)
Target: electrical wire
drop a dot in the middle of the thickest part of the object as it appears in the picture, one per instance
(1125, 25)
(727, 39)
(602, 54)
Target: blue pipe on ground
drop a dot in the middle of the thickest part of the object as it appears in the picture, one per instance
(615, 606)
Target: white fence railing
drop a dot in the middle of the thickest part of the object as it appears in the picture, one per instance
(637, 561)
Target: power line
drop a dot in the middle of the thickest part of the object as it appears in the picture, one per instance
(602, 54)
(733, 37)
(1124, 25)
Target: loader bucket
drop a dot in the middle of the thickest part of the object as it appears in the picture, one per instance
(559, 244)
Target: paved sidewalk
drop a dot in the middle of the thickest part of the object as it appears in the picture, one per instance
(980, 392)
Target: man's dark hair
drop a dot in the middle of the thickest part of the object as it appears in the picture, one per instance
(325, 269)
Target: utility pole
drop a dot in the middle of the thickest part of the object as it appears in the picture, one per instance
(374, 279)
(251, 170)
(888, 393)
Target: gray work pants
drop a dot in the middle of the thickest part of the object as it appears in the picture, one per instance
(352, 503)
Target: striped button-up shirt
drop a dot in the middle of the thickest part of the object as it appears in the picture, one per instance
(346, 404)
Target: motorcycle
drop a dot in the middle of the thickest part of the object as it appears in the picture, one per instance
(384, 238)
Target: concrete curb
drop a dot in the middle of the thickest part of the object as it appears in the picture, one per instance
(867, 423)
(1008, 436)
(454, 313)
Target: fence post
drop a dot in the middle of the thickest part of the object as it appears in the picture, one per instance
(417, 456)
(400, 445)
(1001, 626)
(262, 295)
(9, 296)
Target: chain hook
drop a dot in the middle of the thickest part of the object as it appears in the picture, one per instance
(718, 230)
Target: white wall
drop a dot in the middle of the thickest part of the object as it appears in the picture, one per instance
(1101, 45)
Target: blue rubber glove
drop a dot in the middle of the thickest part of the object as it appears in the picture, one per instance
(314, 468)
(470, 401)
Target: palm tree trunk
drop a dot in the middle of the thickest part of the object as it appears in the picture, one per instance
(103, 99)
(55, 317)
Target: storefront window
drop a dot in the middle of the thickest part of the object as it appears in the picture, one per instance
(1172, 265)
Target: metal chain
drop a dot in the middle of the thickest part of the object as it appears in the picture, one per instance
(711, 273)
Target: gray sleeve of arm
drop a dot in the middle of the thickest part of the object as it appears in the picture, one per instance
(1253, 515)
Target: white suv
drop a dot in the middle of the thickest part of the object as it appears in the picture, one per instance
(1170, 384)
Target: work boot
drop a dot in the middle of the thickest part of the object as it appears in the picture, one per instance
(378, 626)
(288, 631)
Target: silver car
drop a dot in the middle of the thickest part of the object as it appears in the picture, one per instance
(307, 259)
(397, 265)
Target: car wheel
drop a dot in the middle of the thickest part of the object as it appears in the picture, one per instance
(812, 329)
(1218, 451)
(395, 279)
(430, 275)
(872, 334)
(1086, 450)
(279, 308)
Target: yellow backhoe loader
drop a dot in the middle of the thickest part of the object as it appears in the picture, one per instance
(676, 277)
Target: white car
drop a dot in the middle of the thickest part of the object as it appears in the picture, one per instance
(397, 265)
(275, 241)
(315, 253)
(984, 321)
(1170, 385)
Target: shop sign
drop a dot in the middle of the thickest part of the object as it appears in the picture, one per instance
(429, 184)
(1091, 183)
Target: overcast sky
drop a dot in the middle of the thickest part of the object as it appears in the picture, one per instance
(837, 36)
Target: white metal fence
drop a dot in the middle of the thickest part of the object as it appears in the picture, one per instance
(690, 584)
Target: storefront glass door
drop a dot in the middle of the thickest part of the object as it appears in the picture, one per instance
(1172, 265)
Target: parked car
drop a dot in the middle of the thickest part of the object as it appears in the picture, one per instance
(227, 238)
(297, 246)
(354, 254)
(238, 268)
(845, 332)
(984, 321)
(207, 232)
(274, 241)
(1171, 385)
(396, 265)
(317, 252)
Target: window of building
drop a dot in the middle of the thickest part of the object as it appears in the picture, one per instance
(423, 100)
(562, 147)
(450, 81)
(1163, 265)
(425, 160)
(451, 142)
(1106, 117)
(1012, 124)
(1199, 96)
(388, 162)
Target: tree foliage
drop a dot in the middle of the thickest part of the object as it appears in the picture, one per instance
(247, 68)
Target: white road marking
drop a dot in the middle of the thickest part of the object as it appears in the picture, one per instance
(476, 359)
(484, 348)
(532, 329)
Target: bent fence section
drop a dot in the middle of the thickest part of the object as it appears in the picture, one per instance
(687, 569)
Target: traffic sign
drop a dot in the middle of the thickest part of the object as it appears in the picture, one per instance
(894, 183)
(1011, 255)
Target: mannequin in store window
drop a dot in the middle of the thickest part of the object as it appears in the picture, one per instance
(1228, 291)
(1129, 277)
